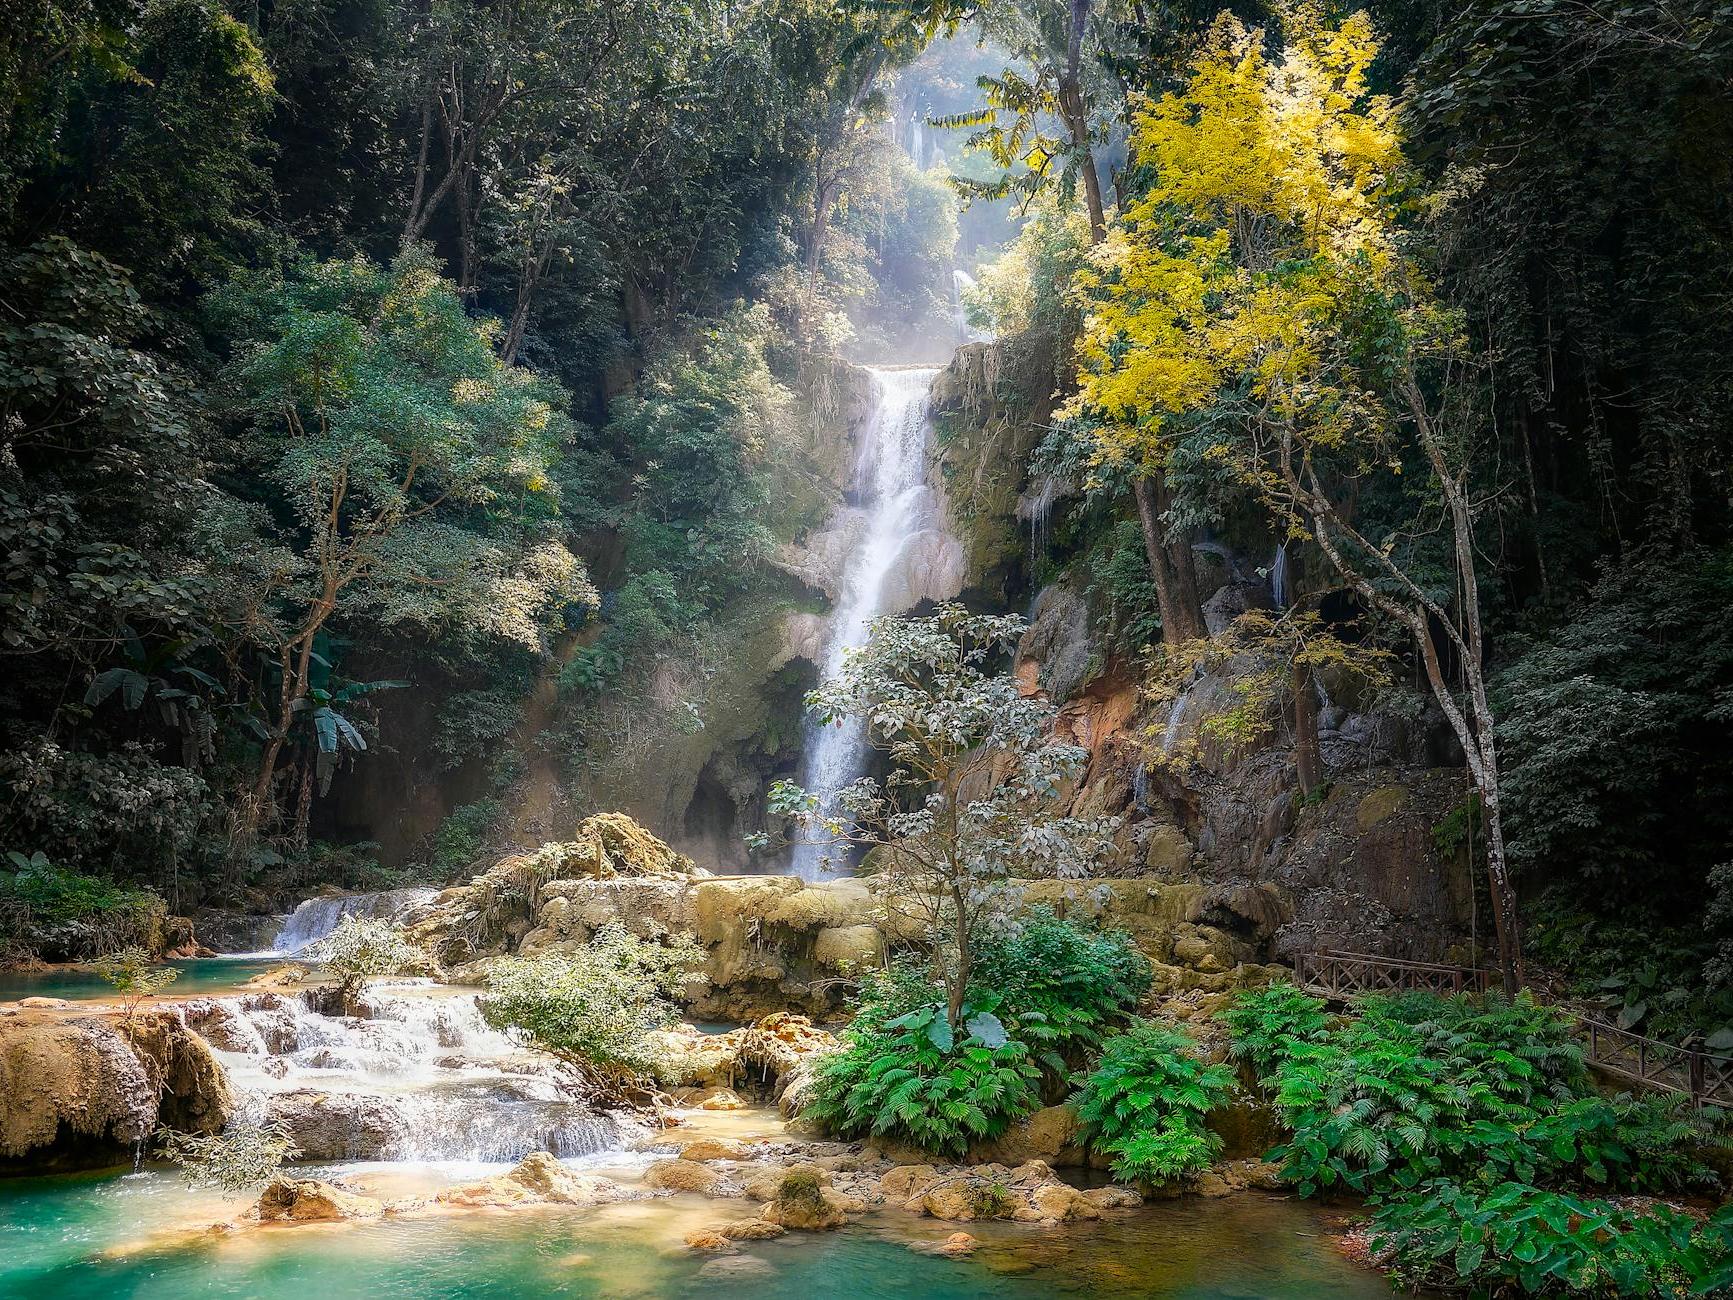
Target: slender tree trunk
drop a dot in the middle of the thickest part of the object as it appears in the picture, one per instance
(1171, 564)
(1155, 550)
(1308, 759)
(1076, 115)
(304, 802)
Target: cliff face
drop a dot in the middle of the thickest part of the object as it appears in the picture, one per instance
(1359, 867)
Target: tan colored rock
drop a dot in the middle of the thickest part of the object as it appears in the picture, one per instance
(711, 1148)
(1051, 1134)
(907, 1181)
(1167, 851)
(683, 1176)
(721, 1099)
(306, 1200)
(848, 947)
(804, 1203)
(957, 1245)
(1212, 1183)
(537, 1179)
(708, 1239)
(1112, 1198)
(952, 1198)
(752, 1230)
(90, 1080)
(1060, 1201)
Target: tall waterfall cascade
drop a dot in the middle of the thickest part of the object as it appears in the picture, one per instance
(902, 556)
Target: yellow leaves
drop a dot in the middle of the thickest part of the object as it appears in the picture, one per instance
(1270, 211)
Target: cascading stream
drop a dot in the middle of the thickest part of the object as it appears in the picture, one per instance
(890, 475)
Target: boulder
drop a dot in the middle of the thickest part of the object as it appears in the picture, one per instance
(684, 1176)
(340, 1125)
(751, 1230)
(306, 1200)
(537, 1179)
(806, 1204)
(907, 1182)
(708, 1239)
(1051, 1134)
(710, 1148)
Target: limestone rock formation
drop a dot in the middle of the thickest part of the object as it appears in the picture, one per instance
(84, 1091)
(537, 1179)
(307, 1200)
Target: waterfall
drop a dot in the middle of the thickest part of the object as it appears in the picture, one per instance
(1279, 576)
(890, 477)
(317, 917)
(961, 283)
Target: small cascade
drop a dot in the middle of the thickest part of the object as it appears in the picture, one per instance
(900, 508)
(1279, 576)
(1035, 508)
(317, 917)
(416, 1075)
(961, 283)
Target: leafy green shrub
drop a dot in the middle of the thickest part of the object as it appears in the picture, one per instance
(1551, 1243)
(462, 836)
(595, 1006)
(1267, 1024)
(362, 946)
(1147, 1102)
(1419, 1087)
(135, 975)
(1062, 986)
(905, 1074)
(240, 1157)
(56, 896)
(1649, 1145)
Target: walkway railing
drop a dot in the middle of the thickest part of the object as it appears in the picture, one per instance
(1705, 1077)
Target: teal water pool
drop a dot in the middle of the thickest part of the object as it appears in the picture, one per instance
(79, 983)
(91, 1238)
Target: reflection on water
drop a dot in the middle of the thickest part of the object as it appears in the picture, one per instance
(59, 1238)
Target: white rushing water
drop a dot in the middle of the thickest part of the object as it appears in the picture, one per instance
(416, 1075)
(890, 477)
(317, 917)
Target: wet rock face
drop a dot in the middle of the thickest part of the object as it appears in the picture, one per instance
(84, 1092)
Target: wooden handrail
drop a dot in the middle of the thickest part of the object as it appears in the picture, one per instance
(1704, 1077)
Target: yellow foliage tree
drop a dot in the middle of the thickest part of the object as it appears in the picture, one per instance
(1260, 306)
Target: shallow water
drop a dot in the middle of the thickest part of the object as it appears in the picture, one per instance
(59, 1238)
(198, 975)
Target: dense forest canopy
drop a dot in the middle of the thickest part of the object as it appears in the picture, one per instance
(369, 364)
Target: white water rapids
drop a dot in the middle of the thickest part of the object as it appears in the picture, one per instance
(415, 1075)
(901, 511)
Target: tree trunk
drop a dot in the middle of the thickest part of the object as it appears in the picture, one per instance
(1308, 760)
(304, 802)
(1076, 116)
(1155, 550)
(1171, 563)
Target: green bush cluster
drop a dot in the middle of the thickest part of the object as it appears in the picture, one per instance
(1044, 996)
(1147, 1102)
(905, 1074)
(56, 896)
(1537, 1242)
(1473, 1126)
(1062, 987)
(597, 1005)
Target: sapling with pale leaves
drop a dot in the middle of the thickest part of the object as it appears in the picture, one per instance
(972, 800)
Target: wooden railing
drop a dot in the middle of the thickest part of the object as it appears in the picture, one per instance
(1705, 1077)
(1344, 975)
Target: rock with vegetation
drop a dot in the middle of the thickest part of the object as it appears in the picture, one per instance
(308, 1200)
